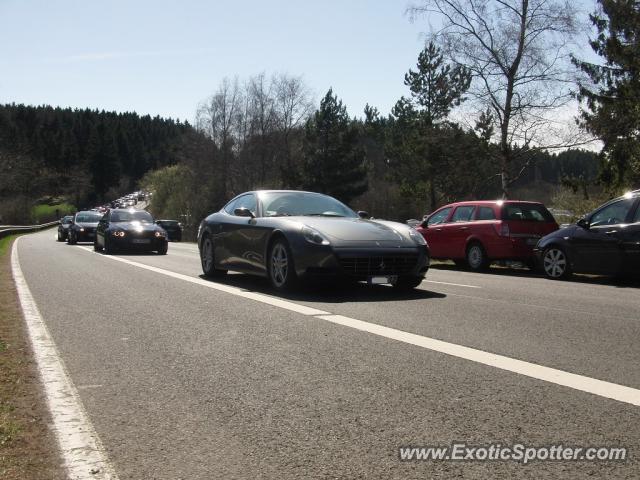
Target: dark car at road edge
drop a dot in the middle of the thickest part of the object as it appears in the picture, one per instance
(604, 242)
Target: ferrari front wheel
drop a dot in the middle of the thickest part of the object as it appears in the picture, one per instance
(282, 273)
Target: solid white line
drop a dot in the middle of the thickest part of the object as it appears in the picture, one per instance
(539, 372)
(558, 377)
(454, 284)
(259, 297)
(79, 444)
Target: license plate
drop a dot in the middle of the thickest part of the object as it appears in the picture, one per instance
(381, 280)
(141, 240)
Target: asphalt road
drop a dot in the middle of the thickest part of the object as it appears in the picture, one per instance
(185, 381)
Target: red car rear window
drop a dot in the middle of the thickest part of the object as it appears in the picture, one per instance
(528, 212)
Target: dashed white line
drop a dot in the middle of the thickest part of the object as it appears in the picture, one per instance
(83, 455)
(582, 383)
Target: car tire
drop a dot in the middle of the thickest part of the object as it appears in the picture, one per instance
(71, 240)
(406, 283)
(96, 247)
(555, 263)
(108, 248)
(163, 249)
(207, 259)
(476, 258)
(60, 237)
(280, 266)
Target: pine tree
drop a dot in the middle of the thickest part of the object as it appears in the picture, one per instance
(334, 160)
(612, 111)
(418, 135)
(436, 87)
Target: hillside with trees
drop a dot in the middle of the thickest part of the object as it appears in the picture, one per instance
(84, 156)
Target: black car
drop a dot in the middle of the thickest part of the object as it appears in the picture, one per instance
(63, 228)
(173, 229)
(129, 229)
(290, 235)
(83, 227)
(605, 242)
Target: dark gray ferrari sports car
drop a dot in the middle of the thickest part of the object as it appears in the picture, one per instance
(288, 236)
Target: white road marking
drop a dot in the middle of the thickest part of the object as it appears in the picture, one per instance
(539, 372)
(582, 383)
(454, 284)
(259, 297)
(78, 442)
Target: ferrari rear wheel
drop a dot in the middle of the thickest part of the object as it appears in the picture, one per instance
(207, 259)
(282, 274)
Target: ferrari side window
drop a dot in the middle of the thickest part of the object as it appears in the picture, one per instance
(246, 201)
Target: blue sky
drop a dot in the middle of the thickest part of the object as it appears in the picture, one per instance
(162, 57)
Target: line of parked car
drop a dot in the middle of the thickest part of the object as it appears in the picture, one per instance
(475, 234)
(288, 236)
(119, 226)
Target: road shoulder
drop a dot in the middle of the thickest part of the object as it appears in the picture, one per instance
(27, 444)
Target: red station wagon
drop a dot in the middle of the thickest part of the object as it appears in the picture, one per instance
(479, 232)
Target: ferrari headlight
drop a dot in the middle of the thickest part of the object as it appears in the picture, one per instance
(311, 235)
(417, 237)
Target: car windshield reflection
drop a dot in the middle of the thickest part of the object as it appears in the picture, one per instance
(279, 204)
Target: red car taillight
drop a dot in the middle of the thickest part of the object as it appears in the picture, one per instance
(502, 229)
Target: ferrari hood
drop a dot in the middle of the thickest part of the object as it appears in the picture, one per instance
(356, 230)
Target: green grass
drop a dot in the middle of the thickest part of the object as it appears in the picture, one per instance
(4, 244)
(48, 212)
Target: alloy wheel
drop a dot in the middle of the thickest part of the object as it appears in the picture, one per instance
(555, 263)
(475, 257)
(207, 255)
(279, 265)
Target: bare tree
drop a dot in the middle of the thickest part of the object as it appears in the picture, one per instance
(518, 54)
(263, 120)
(218, 117)
(293, 106)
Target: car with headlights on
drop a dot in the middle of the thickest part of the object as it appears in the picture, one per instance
(63, 228)
(173, 229)
(83, 227)
(129, 229)
(604, 242)
(288, 236)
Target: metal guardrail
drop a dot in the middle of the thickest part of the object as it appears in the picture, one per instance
(6, 230)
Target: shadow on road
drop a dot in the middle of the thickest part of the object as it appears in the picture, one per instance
(324, 292)
(618, 282)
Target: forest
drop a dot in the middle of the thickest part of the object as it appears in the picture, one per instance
(473, 125)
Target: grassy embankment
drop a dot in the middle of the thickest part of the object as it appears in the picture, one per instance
(27, 445)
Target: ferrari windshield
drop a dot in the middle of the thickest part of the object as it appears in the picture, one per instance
(131, 216)
(302, 203)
